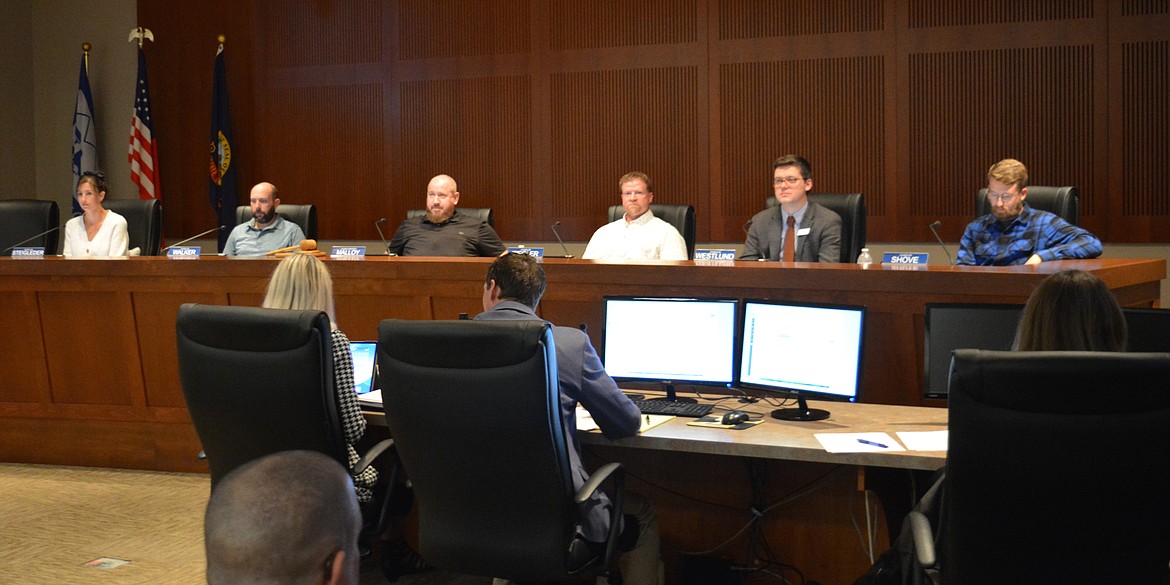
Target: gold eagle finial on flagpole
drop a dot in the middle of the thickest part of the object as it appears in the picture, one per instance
(140, 34)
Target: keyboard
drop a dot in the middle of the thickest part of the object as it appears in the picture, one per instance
(691, 409)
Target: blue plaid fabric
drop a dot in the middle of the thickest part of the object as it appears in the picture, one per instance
(988, 242)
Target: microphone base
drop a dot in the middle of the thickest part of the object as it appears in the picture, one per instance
(559, 256)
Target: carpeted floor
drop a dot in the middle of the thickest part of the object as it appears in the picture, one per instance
(54, 520)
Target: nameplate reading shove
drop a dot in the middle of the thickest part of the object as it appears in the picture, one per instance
(184, 253)
(29, 253)
(905, 258)
(348, 253)
(714, 254)
(537, 253)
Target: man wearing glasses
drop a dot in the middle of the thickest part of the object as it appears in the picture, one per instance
(796, 230)
(443, 232)
(1014, 233)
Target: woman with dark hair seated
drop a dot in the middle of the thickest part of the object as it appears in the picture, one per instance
(1071, 311)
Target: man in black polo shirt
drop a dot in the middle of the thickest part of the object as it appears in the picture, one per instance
(444, 232)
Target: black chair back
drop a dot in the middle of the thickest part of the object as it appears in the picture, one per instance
(682, 217)
(480, 213)
(1062, 201)
(851, 208)
(21, 219)
(143, 222)
(258, 381)
(302, 215)
(1056, 468)
(474, 410)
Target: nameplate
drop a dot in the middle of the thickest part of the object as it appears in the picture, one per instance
(905, 258)
(29, 253)
(537, 253)
(184, 253)
(715, 254)
(348, 252)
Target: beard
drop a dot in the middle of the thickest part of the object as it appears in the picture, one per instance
(264, 218)
(437, 216)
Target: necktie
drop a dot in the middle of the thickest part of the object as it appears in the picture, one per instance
(789, 253)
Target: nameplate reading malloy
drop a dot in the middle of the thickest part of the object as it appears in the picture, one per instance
(537, 253)
(184, 253)
(28, 253)
(351, 252)
(915, 258)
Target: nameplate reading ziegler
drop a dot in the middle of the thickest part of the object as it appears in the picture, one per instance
(184, 253)
(714, 254)
(37, 253)
(905, 258)
(348, 252)
(537, 253)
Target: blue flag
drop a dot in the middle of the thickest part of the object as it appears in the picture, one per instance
(221, 190)
(84, 131)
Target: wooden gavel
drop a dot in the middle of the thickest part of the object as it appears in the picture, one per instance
(304, 246)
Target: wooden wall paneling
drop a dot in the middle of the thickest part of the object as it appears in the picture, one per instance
(24, 373)
(928, 14)
(828, 110)
(159, 358)
(753, 19)
(324, 146)
(101, 443)
(83, 372)
(477, 130)
(607, 123)
(321, 33)
(358, 315)
(1145, 135)
(442, 29)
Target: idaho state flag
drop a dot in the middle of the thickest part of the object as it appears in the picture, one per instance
(221, 190)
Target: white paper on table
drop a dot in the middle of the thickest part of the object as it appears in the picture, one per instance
(858, 442)
(585, 420)
(924, 440)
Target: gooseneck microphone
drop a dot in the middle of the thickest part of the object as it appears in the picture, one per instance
(934, 230)
(378, 226)
(196, 236)
(564, 248)
(23, 242)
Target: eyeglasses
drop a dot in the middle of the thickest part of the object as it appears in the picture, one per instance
(1002, 197)
(790, 181)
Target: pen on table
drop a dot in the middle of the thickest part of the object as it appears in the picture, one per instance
(647, 419)
(872, 444)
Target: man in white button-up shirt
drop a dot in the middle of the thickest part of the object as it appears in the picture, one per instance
(638, 235)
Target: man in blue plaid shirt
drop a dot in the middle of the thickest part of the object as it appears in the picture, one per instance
(1014, 233)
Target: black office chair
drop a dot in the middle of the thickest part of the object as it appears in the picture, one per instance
(474, 409)
(1056, 470)
(21, 219)
(682, 217)
(851, 208)
(143, 222)
(1062, 201)
(302, 215)
(480, 213)
(258, 381)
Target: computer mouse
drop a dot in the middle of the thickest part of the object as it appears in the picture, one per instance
(734, 417)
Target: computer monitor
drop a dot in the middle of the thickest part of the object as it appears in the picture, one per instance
(1149, 329)
(810, 350)
(670, 341)
(951, 326)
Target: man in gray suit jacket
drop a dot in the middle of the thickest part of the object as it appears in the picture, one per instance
(816, 229)
(514, 285)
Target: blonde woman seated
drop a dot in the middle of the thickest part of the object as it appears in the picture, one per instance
(97, 231)
(1071, 311)
(302, 282)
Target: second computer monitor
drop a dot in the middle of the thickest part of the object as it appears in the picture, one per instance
(670, 340)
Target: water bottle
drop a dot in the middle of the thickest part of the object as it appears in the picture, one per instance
(864, 259)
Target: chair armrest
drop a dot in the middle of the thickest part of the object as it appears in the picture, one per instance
(923, 539)
(594, 482)
(371, 455)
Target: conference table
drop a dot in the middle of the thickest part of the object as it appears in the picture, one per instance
(89, 375)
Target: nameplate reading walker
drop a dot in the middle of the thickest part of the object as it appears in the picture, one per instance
(537, 253)
(714, 254)
(905, 258)
(348, 252)
(184, 253)
(29, 253)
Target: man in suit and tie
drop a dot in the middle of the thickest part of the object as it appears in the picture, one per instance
(796, 230)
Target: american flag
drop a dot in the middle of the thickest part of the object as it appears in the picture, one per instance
(143, 144)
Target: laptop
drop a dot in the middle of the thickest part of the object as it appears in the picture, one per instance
(365, 375)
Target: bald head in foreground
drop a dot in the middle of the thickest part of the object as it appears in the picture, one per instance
(284, 519)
